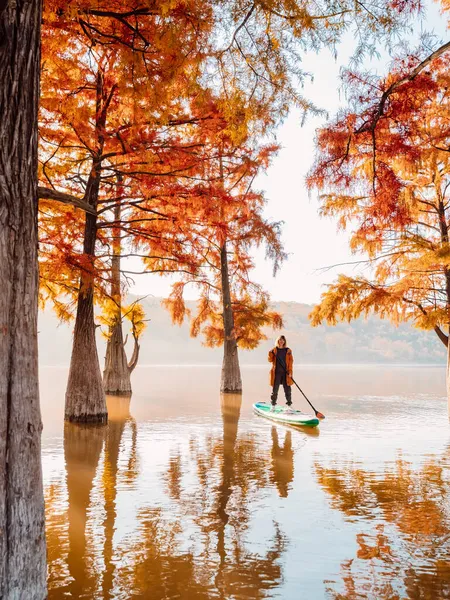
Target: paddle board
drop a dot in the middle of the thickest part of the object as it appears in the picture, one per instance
(282, 416)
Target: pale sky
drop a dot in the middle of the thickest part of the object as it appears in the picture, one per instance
(311, 242)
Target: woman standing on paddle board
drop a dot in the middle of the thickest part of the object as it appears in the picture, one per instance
(282, 361)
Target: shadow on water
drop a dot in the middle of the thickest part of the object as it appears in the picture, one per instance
(403, 548)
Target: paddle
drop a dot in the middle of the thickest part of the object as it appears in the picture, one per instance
(319, 415)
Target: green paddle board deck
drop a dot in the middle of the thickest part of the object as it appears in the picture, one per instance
(280, 415)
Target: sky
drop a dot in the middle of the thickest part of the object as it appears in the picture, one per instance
(312, 242)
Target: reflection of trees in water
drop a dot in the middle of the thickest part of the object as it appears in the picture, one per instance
(203, 555)
(155, 565)
(407, 553)
(82, 449)
(74, 573)
(56, 533)
(118, 417)
(229, 471)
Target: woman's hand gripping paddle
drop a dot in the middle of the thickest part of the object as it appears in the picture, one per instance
(318, 414)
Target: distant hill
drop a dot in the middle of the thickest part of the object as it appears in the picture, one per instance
(363, 341)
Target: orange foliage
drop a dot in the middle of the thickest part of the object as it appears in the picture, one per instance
(386, 174)
(224, 211)
(126, 92)
(113, 105)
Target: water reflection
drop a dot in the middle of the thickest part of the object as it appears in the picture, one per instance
(404, 520)
(194, 545)
(230, 471)
(282, 462)
(118, 416)
(203, 500)
(82, 448)
(75, 573)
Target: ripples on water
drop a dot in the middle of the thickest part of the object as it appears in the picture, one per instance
(186, 494)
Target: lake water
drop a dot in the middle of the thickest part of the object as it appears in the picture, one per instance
(189, 495)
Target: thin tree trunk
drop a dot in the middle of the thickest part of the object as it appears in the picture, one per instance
(116, 376)
(445, 240)
(85, 397)
(231, 374)
(22, 531)
(448, 373)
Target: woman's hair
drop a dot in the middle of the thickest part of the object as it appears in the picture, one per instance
(279, 338)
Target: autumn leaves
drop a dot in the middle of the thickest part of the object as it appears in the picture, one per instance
(383, 169)
(155, 120)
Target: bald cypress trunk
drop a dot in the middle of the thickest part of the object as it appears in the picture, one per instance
(22, 535)
(85, 398)
(448, 374)
(116, 375)
(231, 374)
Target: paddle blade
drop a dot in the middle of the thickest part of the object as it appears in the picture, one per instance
(319, 415)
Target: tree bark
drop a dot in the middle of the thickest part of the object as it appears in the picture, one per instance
(22, 527)
(231, 375)
(448, 373)
(85, 397)
(116, 376)
(441, 335)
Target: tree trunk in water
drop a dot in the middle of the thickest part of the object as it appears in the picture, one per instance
(85, 397)
(116, 376)
(22, 529)
(231, 374)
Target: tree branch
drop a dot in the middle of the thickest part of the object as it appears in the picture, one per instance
(370, 126)
(48, 194)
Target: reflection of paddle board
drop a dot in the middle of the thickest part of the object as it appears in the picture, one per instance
(282, 416)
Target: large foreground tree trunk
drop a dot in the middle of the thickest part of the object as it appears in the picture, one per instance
(22, 536)
(231, 374)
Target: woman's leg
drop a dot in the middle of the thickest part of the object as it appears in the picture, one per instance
(287, 392)
(276, 387)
